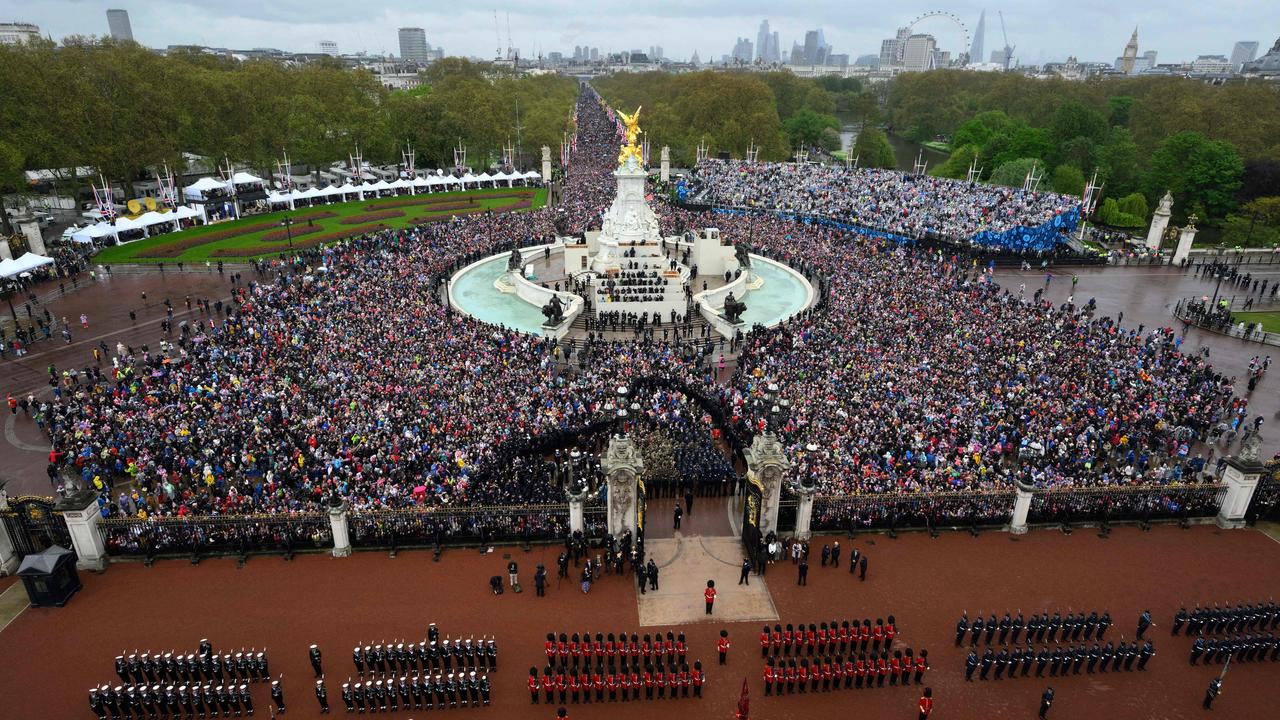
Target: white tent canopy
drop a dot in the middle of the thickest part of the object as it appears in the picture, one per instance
(244, 178)
(197, 189)
(30, 261)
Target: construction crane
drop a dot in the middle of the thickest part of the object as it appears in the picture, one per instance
(498, 35)
(1008, 49)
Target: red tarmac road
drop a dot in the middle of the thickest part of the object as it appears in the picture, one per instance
(51, 656)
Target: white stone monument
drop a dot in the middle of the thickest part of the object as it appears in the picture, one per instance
(1185, 237)
(628, 221)
(546, 164)
(1160, 221)
(664, 169)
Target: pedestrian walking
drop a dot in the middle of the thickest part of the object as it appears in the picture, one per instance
(804, 573)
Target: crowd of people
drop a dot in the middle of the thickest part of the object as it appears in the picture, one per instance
(917, 374)
(900, 203)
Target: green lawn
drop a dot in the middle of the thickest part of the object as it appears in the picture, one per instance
(1270, 320)
(211, 242)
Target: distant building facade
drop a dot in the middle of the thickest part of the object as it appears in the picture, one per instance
(118, 24)
(413, 45)
(16, 33)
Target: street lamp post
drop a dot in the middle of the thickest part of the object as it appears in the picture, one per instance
(1220, 272)
(288, 231)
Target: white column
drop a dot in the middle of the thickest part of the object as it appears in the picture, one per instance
(1185, 236)
(1021, 506)
(804, 515)
(546, 164)
(1241, 479)
(664, 170)
(8, 555)
(341, 535)
(577, 521)
(35, 241)
(81, 515)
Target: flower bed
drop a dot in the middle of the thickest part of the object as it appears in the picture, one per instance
(308, 243)
(370, 217)
(427, 219)
(522, 205)
(283, 234)
(174, 249)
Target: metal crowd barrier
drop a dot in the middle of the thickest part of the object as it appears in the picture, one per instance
(1126, 503)
(215, 535)
(892, 511)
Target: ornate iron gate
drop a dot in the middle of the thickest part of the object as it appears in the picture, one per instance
(33, 525)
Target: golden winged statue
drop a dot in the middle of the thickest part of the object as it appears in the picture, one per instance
(632, 123)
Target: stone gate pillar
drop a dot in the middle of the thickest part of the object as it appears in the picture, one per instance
(1241, 476)
(1185, 237)
(80, 511)
(804, 512)
(766, 462)
(664, 170)
(622, 466)
(341, 533)
(1021, 507)
(1159, 222)
(546, 164)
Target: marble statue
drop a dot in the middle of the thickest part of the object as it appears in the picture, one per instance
(1166, 203)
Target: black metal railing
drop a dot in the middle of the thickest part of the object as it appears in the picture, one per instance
(1126, 503)
(893, 511)
(215, 535)
(458, 526)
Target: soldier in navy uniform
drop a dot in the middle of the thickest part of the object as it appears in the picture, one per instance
(1042, 659)
(1103, 623)
(1147, 651)
(1006, 623)
(314, 655)
(246, 700)
(975, 630)
(987, 659)
(1028, 657)
(970, 664)
(962, 627)
(277, 696)
(1016, 630)
(485, 689)
(96, 704)
(322, 696)
(347, 698)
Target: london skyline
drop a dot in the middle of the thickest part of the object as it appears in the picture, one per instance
(1091, 30)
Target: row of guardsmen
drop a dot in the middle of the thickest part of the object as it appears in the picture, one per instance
(620, 683)
(438, 656)
(146, 668)
(418, 692)
(150, 701)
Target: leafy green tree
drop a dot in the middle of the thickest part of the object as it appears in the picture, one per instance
(1119, 108)
(979, 130)
(957, 166)
(1068, 180)
(1118, 162)
(11, 180)
(1073, 120)
(1014, 172)
(805, 128)
(1201, 173)
(873, 150)
(1134, 204)
(1111, 214)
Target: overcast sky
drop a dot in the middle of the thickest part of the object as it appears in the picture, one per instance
(1040, 29)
